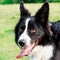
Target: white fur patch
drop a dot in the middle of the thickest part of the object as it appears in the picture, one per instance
(50, 24)
(42, 53)
(24, 36)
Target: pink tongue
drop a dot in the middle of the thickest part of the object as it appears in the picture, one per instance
(25, 51)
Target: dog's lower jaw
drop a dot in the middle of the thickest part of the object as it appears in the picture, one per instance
(42, 53)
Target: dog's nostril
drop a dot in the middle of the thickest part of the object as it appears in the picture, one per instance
(21, 43)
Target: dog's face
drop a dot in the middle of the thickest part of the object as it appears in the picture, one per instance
(30, 30)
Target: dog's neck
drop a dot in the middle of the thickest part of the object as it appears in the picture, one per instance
(42, 53)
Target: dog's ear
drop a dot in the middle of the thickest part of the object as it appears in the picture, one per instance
(42, 14)
(24, 12)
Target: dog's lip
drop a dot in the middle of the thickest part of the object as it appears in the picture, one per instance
(27, 49)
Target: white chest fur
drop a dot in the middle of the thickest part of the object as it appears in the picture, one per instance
(42, 53)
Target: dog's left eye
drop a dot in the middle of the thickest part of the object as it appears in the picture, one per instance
(32, 31)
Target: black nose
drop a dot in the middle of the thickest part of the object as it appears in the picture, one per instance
(21, 43)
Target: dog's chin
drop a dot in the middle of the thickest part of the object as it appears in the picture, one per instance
(28, 49)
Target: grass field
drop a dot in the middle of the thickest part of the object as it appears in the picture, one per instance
(9, 16)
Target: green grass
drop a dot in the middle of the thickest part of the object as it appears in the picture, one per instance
(9, 16)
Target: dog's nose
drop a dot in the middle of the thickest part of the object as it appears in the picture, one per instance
(22, 43)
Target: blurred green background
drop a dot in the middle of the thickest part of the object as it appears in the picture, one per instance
(9, 16)
(26, 1)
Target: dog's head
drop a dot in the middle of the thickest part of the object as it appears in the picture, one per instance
(32, 30)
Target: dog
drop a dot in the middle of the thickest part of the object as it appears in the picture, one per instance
(36, 36)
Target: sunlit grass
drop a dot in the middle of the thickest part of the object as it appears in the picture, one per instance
(9, 16)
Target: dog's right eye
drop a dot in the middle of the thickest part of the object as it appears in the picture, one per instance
(21, 29)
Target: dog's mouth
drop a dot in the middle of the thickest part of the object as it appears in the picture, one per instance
(27, 49)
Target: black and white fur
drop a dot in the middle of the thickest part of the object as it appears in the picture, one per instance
(30, 28)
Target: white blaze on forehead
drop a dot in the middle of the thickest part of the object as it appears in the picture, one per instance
(24, 36)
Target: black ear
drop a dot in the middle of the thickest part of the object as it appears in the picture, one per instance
(42, 14)
(24, 12)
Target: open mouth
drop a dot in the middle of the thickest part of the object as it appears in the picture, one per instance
(27, 49)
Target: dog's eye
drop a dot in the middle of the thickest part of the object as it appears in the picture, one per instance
(32, 31)
(22, 29)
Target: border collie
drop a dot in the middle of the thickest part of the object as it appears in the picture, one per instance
(36, 36)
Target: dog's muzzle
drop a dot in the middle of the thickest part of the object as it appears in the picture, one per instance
(27, 49)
